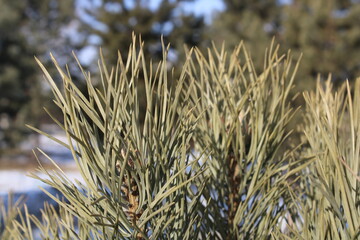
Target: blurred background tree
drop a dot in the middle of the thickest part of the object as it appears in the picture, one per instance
(113, 21)
(27, 28)
(254, 21)
(326, 31)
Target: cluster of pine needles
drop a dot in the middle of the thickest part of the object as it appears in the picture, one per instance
(210, 155)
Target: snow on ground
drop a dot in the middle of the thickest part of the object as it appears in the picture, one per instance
(56, 151)
(19, 181)
(16, 179)
(28, 189)
(22, 186)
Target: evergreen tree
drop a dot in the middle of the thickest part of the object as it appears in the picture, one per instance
(27, 28)
(115, 20)
(327, 32)
(254, 21)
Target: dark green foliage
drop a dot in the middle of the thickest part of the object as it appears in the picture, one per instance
(326, 32)
(255, 22)
(26, 27)
(17, 68)
(117, 19)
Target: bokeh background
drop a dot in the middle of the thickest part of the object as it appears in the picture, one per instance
(327, 32)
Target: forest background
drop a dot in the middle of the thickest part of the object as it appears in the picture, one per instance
(326, 32)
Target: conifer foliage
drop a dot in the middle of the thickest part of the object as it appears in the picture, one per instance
(209, 160)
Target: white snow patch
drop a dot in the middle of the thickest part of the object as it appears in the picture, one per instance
(19, 181)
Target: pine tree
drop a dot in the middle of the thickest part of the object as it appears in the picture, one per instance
(115, 20)
(27, 28)
(255, 22)
(328, 34)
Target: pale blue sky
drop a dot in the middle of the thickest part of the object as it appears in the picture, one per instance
(204, 7)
